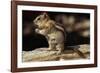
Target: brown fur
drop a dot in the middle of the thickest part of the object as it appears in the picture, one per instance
(53, 32)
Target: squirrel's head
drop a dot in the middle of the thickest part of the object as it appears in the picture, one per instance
(40, 20)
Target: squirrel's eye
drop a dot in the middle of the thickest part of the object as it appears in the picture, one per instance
(38, 19)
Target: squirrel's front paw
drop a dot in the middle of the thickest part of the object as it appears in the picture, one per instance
(37, 30)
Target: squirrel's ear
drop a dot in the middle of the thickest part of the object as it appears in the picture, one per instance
(45, 15)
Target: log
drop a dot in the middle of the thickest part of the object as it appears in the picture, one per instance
(42, 54)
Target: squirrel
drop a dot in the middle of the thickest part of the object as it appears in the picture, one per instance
(54, 32)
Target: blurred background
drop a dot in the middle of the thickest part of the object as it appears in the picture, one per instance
(77, 27)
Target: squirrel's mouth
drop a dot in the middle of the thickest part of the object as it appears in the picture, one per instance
(39, 27)
(35, 26)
